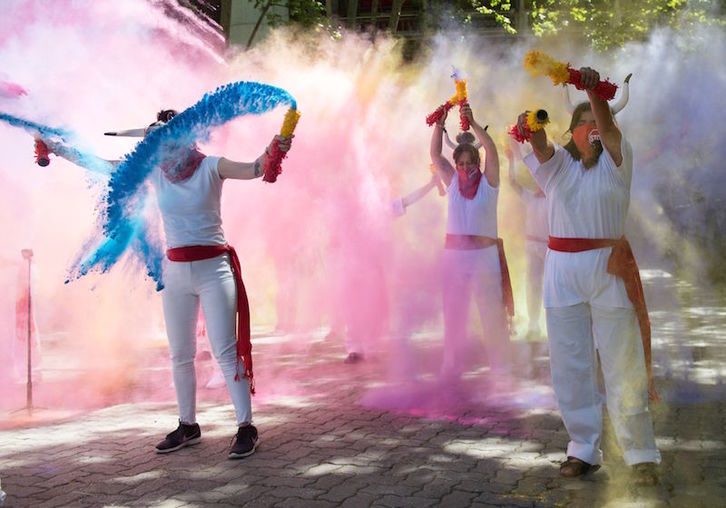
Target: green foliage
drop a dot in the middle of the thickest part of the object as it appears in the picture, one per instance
(497, 9)
(307, 12)
(605, 23)
(612, 23)
(303, 12)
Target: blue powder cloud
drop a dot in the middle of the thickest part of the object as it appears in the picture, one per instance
(123, 225)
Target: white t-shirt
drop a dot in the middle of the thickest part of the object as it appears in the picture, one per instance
(191, 210)
(584, 203)
(477, 216)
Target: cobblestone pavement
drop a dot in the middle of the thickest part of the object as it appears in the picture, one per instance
(337, 435)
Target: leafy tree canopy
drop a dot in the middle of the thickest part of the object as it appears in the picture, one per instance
(607, 23)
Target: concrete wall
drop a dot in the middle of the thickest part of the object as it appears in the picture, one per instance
(242, 19)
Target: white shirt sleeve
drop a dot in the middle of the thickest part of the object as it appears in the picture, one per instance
(530, 160)
(544, 172)
(625, 170)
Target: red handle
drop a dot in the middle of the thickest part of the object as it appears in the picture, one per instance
(604, 89)
(464, 121)
(41, 153)
(273, 162)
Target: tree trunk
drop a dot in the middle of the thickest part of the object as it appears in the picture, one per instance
(352, 13)
(259, 22)
(395, 15)
(521, 18)
(374, 18)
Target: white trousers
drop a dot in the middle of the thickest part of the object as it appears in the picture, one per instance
(535, 253)
(473, 273)
(574, 333)
(211, 282)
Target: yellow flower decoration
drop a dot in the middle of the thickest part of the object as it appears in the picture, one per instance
(290, 122)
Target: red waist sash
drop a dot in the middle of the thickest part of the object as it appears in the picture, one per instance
(244, 342)
(472, 242)
(621, 263)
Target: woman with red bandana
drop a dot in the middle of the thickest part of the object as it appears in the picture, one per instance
(473, 254)
(200, 268)
(592, 293)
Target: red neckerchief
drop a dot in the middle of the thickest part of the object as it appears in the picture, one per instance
(175, 172)
(468, 186)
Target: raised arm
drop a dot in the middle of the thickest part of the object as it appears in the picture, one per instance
(250, 170)
(420, 192)
(88, 161)
(512, 176)
(541, 146)
(491, 161)
(443, 167)
(610, 134)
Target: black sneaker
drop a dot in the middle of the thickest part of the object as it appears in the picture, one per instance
(244, 443)
(184, 435)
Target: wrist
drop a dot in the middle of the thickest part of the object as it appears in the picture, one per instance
(259, 165)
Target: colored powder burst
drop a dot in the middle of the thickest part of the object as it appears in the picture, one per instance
(33, 127)
(123, 224)
(81, 157)
(11, 90)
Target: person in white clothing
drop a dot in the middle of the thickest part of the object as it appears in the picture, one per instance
(399, 205)
(353, 322)
(535, 244)
(588, 308)
(201, 268)
(473, 253)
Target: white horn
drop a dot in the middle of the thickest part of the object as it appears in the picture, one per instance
(624, 95)
(568, 103)
(449, 143)
(129, 133)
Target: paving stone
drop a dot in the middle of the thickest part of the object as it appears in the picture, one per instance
(458, 498)
(336, 453)
(293, 502)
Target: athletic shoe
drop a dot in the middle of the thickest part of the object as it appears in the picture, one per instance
(184, 435)
(244, 443)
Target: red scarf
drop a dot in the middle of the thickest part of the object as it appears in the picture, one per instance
(176, 172)
(468, 185)
(244, 342)
(621, 263)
